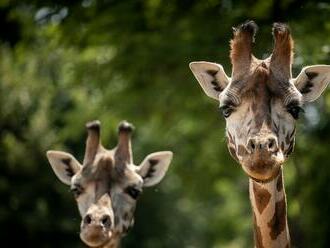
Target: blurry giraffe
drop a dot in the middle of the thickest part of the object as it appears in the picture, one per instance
(107, 184)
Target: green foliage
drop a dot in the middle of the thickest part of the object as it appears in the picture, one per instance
(64, 63)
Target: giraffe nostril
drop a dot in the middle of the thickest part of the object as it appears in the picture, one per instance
(251, 145)
(106, 221)
(257, 144)
(272, 144)
(87, 219)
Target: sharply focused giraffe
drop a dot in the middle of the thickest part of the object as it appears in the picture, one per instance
(261, 103)
(106, 186)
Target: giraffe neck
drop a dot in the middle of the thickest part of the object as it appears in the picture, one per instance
(268, 202)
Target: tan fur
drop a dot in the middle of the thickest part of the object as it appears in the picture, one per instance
(260, 131)
(241, 48)
(270, 224)
(261, 102)
(281, 59)
(262, 115)
(256, 89)
(262, 197)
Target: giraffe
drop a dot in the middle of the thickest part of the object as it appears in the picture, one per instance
(261, 102)
(107, 184)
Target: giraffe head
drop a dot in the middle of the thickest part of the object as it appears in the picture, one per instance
(107, 184)
(261, 101)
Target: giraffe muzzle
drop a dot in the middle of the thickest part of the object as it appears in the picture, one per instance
(266, 144)
(95, 235)
(96, 229)
(263, 158)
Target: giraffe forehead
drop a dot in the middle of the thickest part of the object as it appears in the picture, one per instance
(106, 167)
(93, 190)
(261, 84)
(260, 74)
(257, 90)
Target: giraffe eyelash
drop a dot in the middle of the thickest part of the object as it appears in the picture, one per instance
(226, 110)
(133, 192)
(77, 190)
(295, 110)
(228, 106)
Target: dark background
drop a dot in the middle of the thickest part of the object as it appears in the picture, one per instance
(63, 63)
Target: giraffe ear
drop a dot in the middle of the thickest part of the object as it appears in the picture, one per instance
(312, 81)
(154, 167)
(64, 165)
(211, 77)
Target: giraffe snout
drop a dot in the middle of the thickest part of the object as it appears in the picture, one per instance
(103, 221)
(265, 144)
(96, 229)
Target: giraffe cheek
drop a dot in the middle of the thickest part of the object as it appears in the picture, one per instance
(127, 226)
(290, 148)
(125, 229)
(233, 153)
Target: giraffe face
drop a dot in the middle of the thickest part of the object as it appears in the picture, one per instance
(106, 197)
(106, 187)
(261, 101)
(260, 123)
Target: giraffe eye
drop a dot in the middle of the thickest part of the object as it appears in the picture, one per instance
(226, 110)
(133, 192)
(76, 190)
(295, 111)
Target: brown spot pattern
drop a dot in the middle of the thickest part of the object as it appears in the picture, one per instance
(279, 184)
(257, 234)
(287, 139)
(241, 151)
(278, 222)
(290, 148)
(125, 229)
(254, 107)
(117, 220)
(126, 216)
(262, 197)
(232, 152)
(230, 138)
